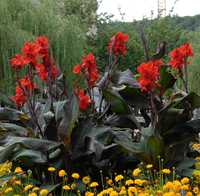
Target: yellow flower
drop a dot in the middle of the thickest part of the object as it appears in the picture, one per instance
(32, 194)
(129, 182)
(86, 179)
(195, 190)
(177, 185)
(132, 190)
(166, 171)
(89, 193)
(109, 190)
(8, 190)
(66, 187)
(18, 170)
(185, 187)
(149, 166)
(196, 146)
(62, 173)
(136, 172)
(139, 182)
(196, 173)
(168, 186)
(197, 158)
(73, 186)
(123, 191)
(75, 176)
(17, 182)
(109, 182)
(114, 193)
(185, 180)
(103, 193)
(51, 169)
(5, 168)
(169, 194)
(35, 189)
(28, 187)
(94, 184)
(159, 193)
(119, 178)
(188, 194)
(143, 194)
(44, 192)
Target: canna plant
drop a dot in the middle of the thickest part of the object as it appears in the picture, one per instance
(110, 120)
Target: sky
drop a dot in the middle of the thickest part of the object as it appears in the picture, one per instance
(137, 9)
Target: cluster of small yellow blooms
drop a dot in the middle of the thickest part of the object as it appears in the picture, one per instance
(5, 168)
(196, 146)
(142, 181)
(15, 186)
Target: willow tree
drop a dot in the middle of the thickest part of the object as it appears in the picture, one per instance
(23, 20)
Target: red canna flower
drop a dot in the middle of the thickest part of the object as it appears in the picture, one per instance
(88, 61)
(54, 72)
(91, 71)
(186, 50)
(41, 71)
(93, 77)
(88, 68)
(178, 56)
(23, 90)
(77, 69)
(31, 50)
(19, 61)
(84, 100)
(43, 42)
(117, 44)
(20, 98)
(149, 75)
(27, 84)
(44, 72)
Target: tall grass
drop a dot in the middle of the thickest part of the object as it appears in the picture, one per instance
(22, 20)
(194, 67)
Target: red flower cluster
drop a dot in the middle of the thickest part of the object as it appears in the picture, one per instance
(179, 56)
(84, 100)
(34, 53)
(117, 44)
(23, 90)
(149, 74)
(20, 98)
(19, 61)
(88, 68)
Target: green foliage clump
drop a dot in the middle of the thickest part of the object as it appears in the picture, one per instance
(194, 71)
(25, 19)
(134, 52)
(162, 29)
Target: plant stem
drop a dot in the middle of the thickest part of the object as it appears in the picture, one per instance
(110, 68)
(154, 113)
(144, 43)
(31, 108)
(186, 78)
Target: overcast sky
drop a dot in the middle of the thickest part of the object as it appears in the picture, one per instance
(137, 9)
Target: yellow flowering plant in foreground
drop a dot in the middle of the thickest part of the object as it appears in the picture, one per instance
(142, 181)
